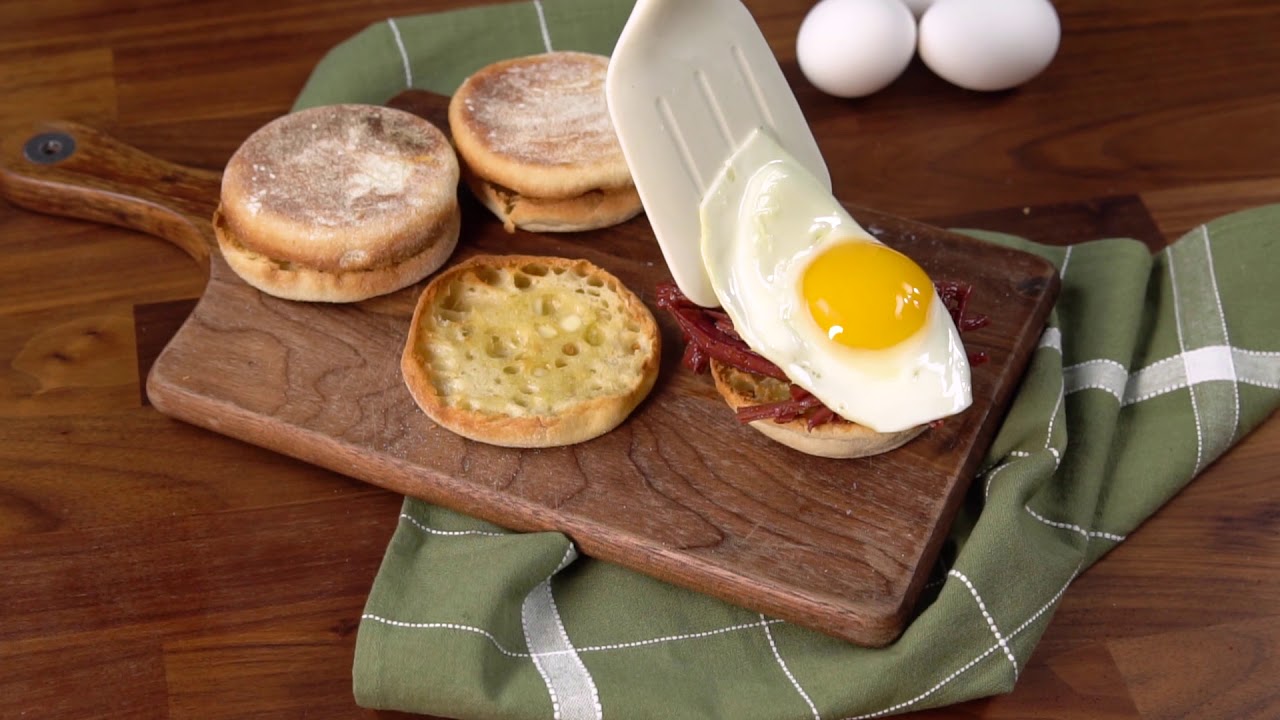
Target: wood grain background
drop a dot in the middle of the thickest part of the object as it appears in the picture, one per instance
(153, 569)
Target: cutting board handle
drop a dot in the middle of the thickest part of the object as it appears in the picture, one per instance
(71, 170)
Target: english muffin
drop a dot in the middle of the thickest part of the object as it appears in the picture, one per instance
(537, 145)
(838, 439)
(526, 351)
(339, 203)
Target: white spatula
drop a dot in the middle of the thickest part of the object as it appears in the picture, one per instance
(688, 81)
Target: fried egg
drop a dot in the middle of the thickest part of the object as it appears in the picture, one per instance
(855, 322)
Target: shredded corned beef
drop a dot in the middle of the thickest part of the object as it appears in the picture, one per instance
(709, 335)
(955, 297)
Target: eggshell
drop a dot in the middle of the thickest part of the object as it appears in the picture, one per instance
(989, 44)
(851, 48)
(917, 7)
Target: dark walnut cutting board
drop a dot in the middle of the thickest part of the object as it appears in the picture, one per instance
(680, 490)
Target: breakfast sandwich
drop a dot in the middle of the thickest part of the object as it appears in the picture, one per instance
(339, 203)
(527, 351)
(537, 144)
(826, 339)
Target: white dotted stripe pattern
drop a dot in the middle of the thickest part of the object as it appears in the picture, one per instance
(763, 623)
(1087, 534)
(991, 622)
(542, 24)
(993, 472)
(571, 688)
(585, 649)
(1061, 387)
(1066, 260)
(446, 626)
(538, 664)
(1215, 362)
(1201, 323)
(1053, 419)
(787, 671)
(1103, 374)
(899, 707)
(1257, 368)
(404, 55)
(1057, 406)
(1182, 351)
(447, 533)
(1205, 364)
(953, 675)
(1226, 340)
(1051, 338)
(1066, 526)
(681, 637)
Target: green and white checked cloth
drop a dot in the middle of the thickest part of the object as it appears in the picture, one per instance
(1150, 369)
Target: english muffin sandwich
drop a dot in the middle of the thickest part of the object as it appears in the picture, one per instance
(339, 203)
(805, 426)
(537, 145)
(762, 395)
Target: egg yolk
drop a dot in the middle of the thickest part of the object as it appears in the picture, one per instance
(865, 295)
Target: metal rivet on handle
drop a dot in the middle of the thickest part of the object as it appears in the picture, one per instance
(49, 148)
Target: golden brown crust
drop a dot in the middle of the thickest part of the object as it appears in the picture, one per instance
(527, 351)
(589, 211)
(833, 440)
(364, 193)
(291, 281)
(538, 127)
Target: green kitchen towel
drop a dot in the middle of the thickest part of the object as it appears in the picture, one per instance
(1152, 366)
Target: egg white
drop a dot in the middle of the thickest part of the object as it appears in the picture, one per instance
(764, 218)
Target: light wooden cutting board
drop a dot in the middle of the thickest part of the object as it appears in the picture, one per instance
(680, 490)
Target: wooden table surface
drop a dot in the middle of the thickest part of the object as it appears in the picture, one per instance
(153, 569)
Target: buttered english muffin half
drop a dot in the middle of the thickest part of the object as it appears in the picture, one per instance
(537, 144)
(527, 351)
(339, 203)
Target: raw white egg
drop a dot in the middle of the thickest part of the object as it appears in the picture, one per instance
(847, 318)
(989, 44)
(851, 48)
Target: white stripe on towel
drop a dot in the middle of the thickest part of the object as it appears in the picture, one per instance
(573, 691)
(404, 54)
(542, 23)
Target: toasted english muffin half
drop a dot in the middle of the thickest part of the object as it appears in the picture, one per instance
(535, 134)
(833, 440)
(528, 351)
(339, 203)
